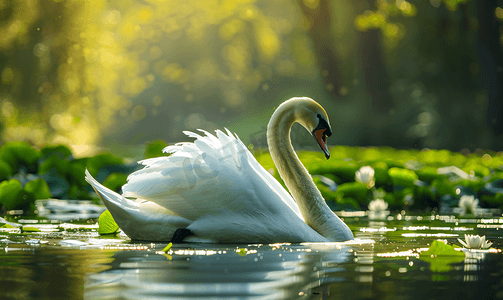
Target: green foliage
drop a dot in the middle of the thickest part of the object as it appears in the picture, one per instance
(424, 197)
(381, 173)
(355, 190)
(428, 174)
(19, 154)
(99, 161)
(441, 256)
(444, 187)
(345, 170)
(402, 177)
(61, 151)
(5, 170)
(107, 224)
(38, 188)
(115, 181)
(154, 148)
(27, 174)
(493, 201)
(12, 194)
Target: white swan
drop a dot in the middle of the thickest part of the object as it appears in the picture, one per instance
(214, 190)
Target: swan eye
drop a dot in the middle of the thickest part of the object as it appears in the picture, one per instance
(323, 124)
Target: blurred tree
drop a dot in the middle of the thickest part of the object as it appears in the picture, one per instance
(317, 13)
(491, 61)
(375, 72)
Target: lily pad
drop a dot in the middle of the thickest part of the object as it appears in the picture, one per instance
(154, 148)
(38, 188)
(115, 181)
(107, 224)
(12, 195)
(5, 170)
(441, 256)
(97, 162)
(61, 151)
(402, 177)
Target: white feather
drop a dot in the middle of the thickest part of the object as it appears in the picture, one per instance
(216, 188)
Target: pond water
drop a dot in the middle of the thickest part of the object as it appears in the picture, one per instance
(70, 261)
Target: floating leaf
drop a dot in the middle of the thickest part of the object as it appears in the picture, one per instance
(12, 195)
(355, 190)
(8, 156)
(107, 223)
(441, 256)
(97, 162)
(38, 188)
(56, 163)
(154, 148)
(402, 177)
(61, 151)
(115, 181)
(444, 187)
(30, 229)
(25, 154)
(5, 170)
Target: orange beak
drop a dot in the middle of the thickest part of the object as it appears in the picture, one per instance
(320, 136)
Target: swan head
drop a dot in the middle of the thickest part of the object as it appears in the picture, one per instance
(314, 118)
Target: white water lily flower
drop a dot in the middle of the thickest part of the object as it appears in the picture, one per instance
(468, 203)
(378, 205)
(475, 242)
(366, 176)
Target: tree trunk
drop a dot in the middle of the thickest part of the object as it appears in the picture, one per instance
(319, 32)
(491, 62)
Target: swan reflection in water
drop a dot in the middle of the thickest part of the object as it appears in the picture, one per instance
(280, 271)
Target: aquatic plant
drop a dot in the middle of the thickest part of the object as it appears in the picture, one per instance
(365, 175)
(468, 203)
(475, 242)
(378, 205)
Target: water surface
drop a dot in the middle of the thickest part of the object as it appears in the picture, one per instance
(65, 261)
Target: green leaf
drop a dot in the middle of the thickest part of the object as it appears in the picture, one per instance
(5, 170)
(402, 177)
(61, 151)
(381, 172)
(355, 190)
(30, 229)
(107, 223)
(38, 188)
(12, 195)
(77, 170)
(444, 187)
(441, 256)
(439, 248)
(97, 162)
(8, 156)
(154, 148)
(428, 174)
(115, 181)
(54, 162)
(25, 154)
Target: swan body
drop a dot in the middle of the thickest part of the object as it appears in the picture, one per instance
(215, 189)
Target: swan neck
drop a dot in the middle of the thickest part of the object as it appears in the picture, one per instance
(290, 168)
(311, 204)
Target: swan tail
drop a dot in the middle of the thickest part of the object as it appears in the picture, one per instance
(114, 202)
(140, 219)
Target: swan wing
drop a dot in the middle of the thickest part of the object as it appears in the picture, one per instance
(140, 219)
(210, 177)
